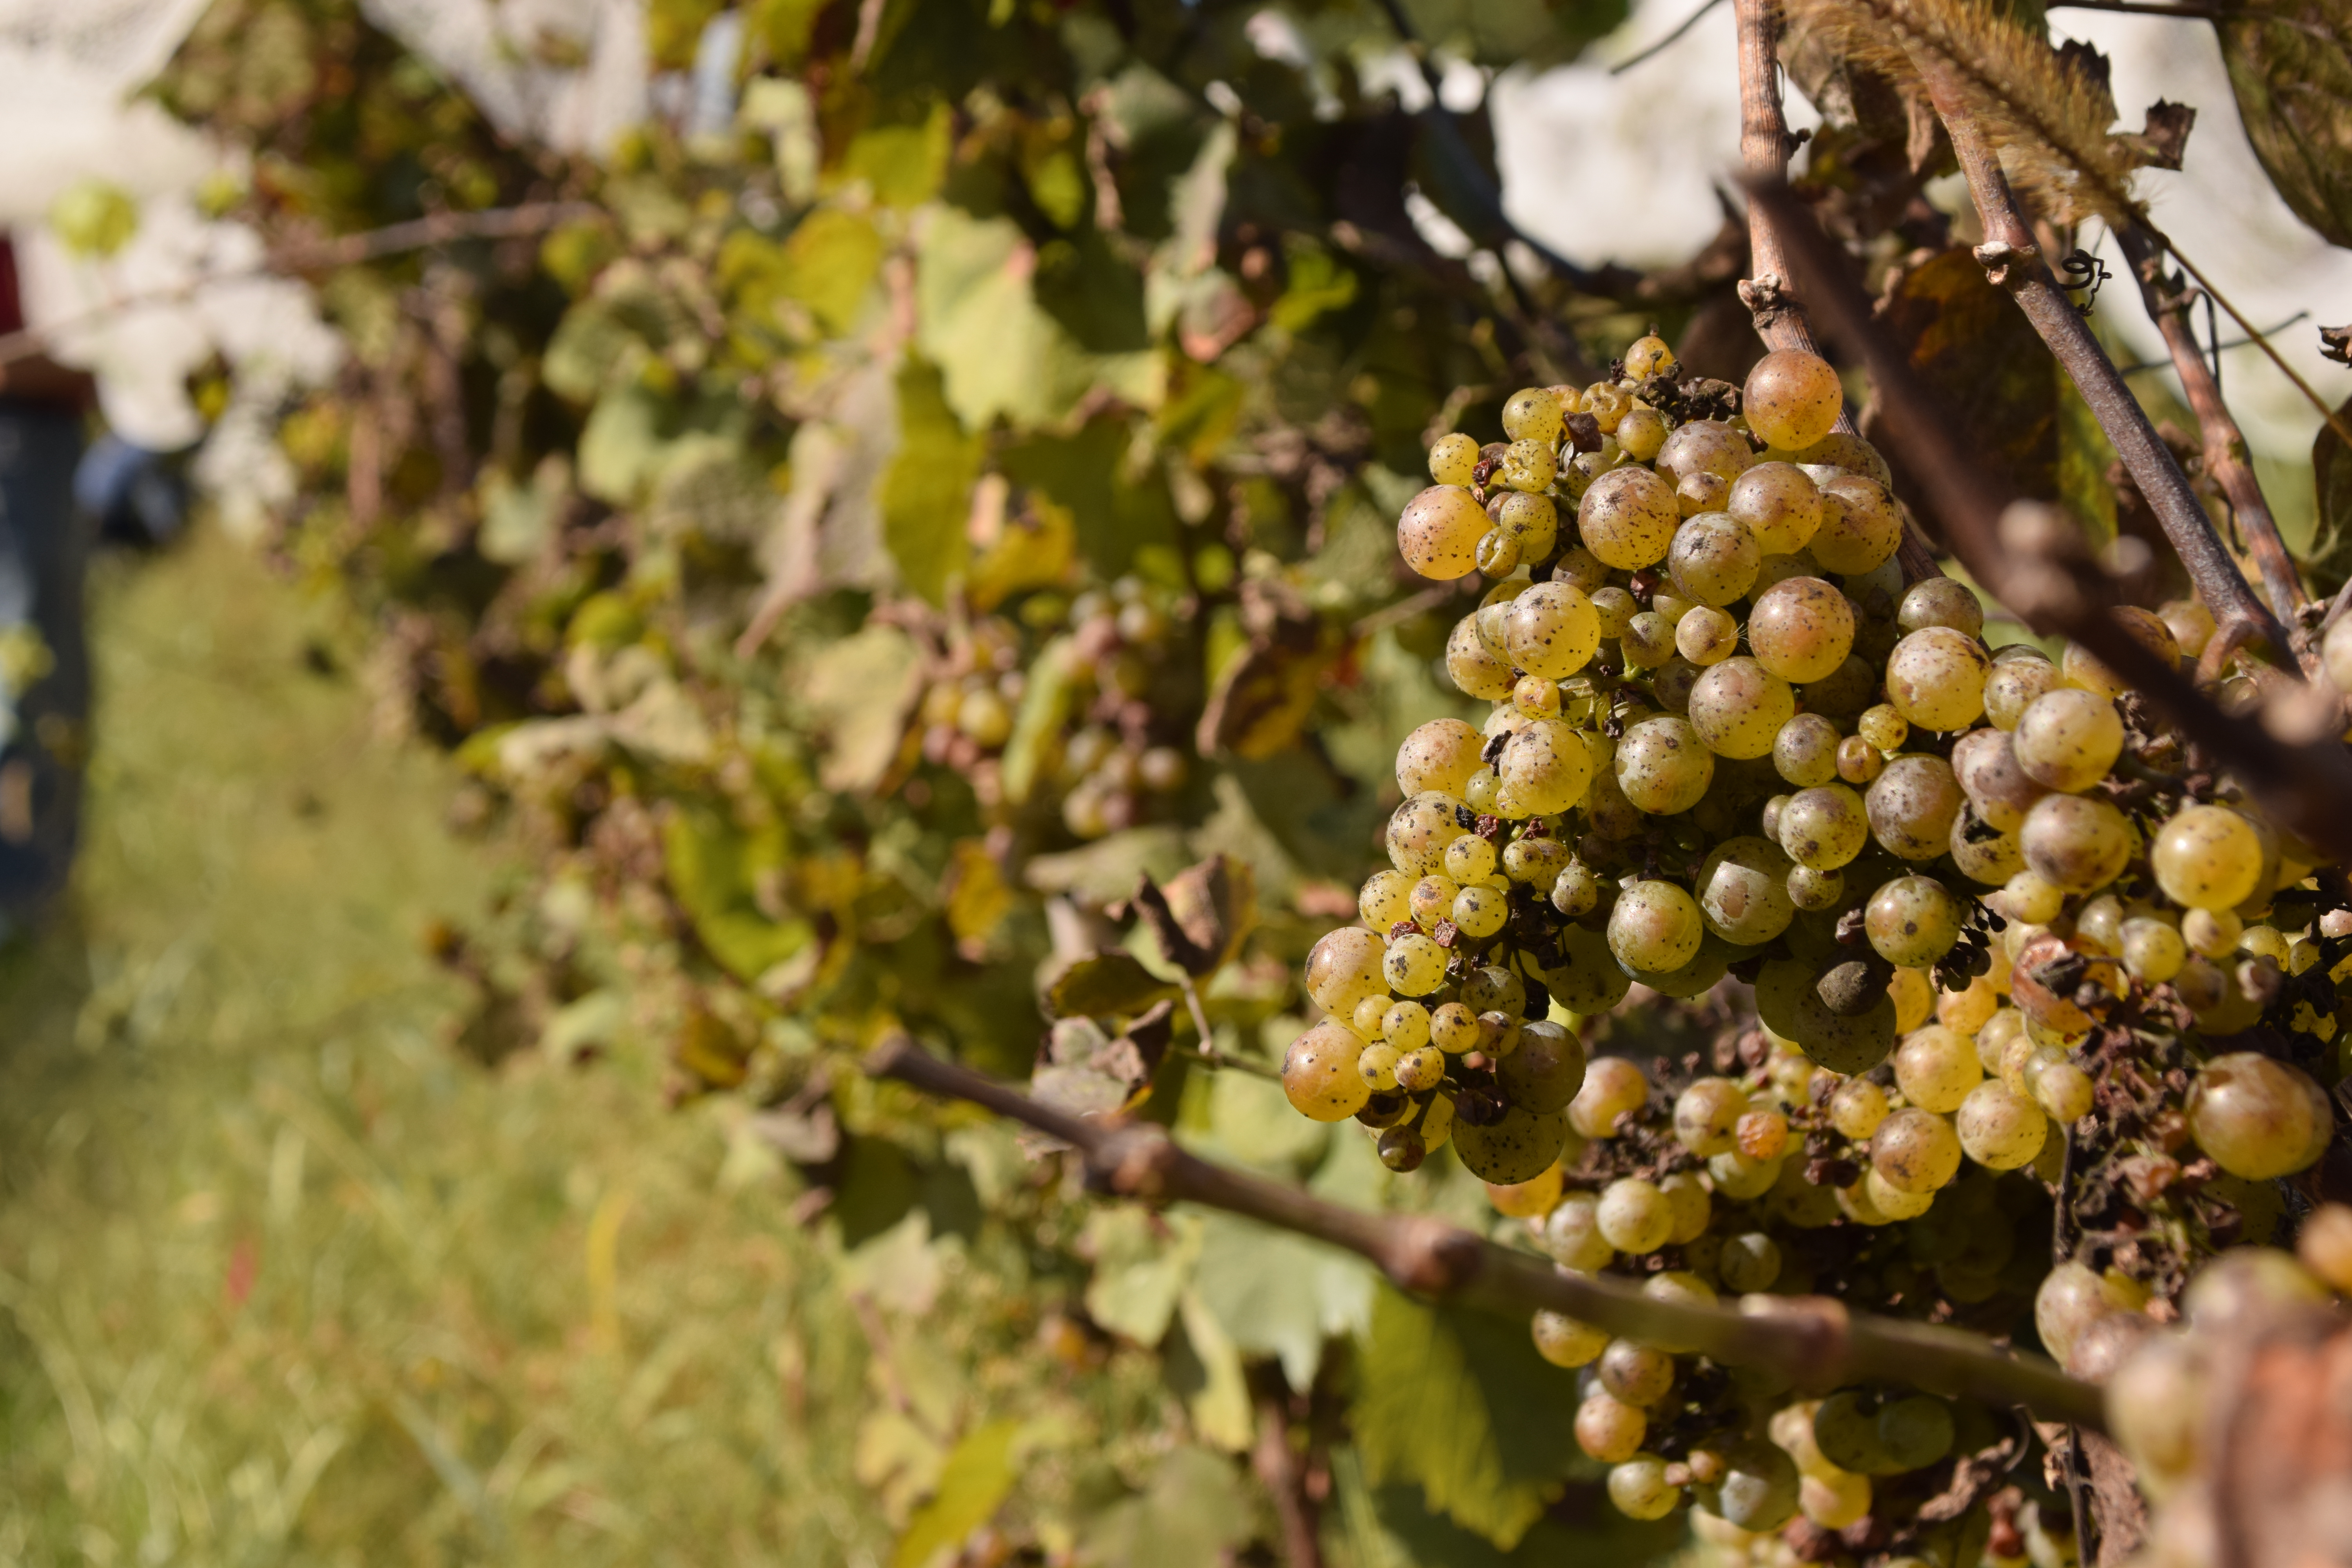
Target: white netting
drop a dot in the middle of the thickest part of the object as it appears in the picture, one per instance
(119, 42)
(501, 52)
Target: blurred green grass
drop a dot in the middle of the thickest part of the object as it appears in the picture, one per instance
(282, 1278)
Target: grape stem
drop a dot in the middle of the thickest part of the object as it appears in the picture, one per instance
(2032, 558)
(1764, 147)
(2167, 299)
(2013, 262)
(1814, 1341)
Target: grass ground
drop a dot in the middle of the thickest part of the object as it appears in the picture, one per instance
(283, 1279)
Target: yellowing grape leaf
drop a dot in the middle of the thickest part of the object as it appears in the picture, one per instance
(859, 689)
(926, 494)
(977, 898)
(1110, 985)
(2291, 66)
(1459, 1404)
(1045, 706)
(1193, 1511)
(901, 165)
(711, 868)
(973, 1484)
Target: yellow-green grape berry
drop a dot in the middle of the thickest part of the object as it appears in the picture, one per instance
(1649, 356)
(1911, 806)
(1377, 1065)
(1535, 861)
(1571, 1235)
(1999, 1128)
(1738, 707)
(2016, 684)
(1912, 996)
(1454, 1028)
(1553, 631)
(1915, 1431)
(1882, 727)
(1419, 831)
(1532, 519)
(1759, 1488)
(1615, 609)
(1609, 1429)
(1543, 1072)
(1823, 827)
(2324, 1246)
(2063, 1091)
(2258, 1118)
(1636, 1373)
(1319, 1076)
(1860, 526)
(1640, 1490)
(1473, 668)
(1437, 1122)
(1498, 553)
(1985, 764)
(1564, 1342)
(1713, 558)
(1634, 1216)
(1344, 968)
(2084, 668)
(2264, 942)
(1834, 1501)
(1872, 1201)
(2068, 738)
(1748, 1262)
(2153, 949)
(1739, 1178)
(1913, 920)
(1612, 1085)
(1859, 762)
(1686, 1195)
(1533, 413)
(1418, 1071)
(1742, 890)
(1805, 751)
(1857, 1107)
(1479, 913)
(1414, 965)
(1470, 858)
(2157, 1403)
(1454, 461)
(1439, 532)
(1647, 641)
(1654, 926)
(1792, 398)
(1641, 433)
(2077, 844)
(1780, 505)
(1706, 1116)
(1491, 986)
(1576, 891)
(1674, 607)
(1544, 768)
(1916, 1152)
(1800, 629)
(1579, 568)
(1441, 756)
(2070, 1298)
(2030, 898)
(1937, 1068)
(1405, 1026)
(1369, 1019)
(1433, 899)
(1386, 899)
(1627, 518)
(1935, 678)
(1705, 446)
(1480, 792)
(2207, 857)
(1941, 602)
(1700, 492)
(1663, 767)
(2212, 933)
(1966, 1010)
(1706, 635)
(1528, 466)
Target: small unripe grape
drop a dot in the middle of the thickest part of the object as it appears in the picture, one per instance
(1673, 684)
(1344, 968)
(1913, 922)
(1376, 1063)
(1792, 398)
(1612, 1085)
(1815, 889)
(1576, 891)
(1473, 667)
(1610, 1430)
(1482, 794)
(1937, 1068)
(1535, 861)
(1634, 1216)
(2258, 1118)
(2015, 685)
(2207, 857)
(1454, 461)
(1935, 678)
(1663, 766)
(1439, 532)
(1706, 635)
(1859, 762)
(2075, 843)
(1319, 1076)
(1911, 806)
(1882, 727)
(1553, 631)
(1823, 827)
(2063, 1091)
(1805, 751)
(2153, 949)
(1800, 629)
(2069, 739)
(1413, 965)
(1860, 526)
(1640, 1490)
(1533, 413)
(1628, 518)
(1564, 1342)
(1495, 987)
(1915, 1152)
(1999, 1128)
(1780, 504)
(1857, 1107)
(1843, 1437)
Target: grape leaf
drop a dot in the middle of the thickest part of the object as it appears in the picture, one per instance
(1280, 1295)
(2291, 67)
(925, 494)
(1108, 984)
(1193, 1511)
(1138, 1275)
(2329, 560)
(1460, 1404)
(972, 1486)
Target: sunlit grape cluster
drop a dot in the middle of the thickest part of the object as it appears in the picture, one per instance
(2003, 933)
(1073, 686)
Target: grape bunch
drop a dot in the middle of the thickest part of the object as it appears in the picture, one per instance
(2022, 961)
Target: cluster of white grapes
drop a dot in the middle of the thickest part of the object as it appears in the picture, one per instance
(1076, 681)
(1968, 885)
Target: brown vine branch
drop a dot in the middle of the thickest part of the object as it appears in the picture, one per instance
(2033, 559)
(2013, 262)
(1813, 1341)
(318, 255)
(1764, 148)
(2226, 457)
